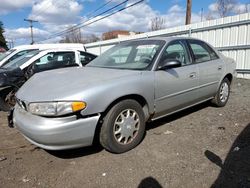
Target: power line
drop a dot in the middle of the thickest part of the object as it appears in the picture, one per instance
(99, 8)
(83, 24)
(89, 14)
(120, 10)
(100, 14)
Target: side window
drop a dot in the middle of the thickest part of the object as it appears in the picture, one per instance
(55, 60)
(212, 53)
(201, 51)
(19, 54)
(85, 58)
(176, 51)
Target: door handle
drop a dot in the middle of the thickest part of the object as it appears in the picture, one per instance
(192, 75)
(220, 67)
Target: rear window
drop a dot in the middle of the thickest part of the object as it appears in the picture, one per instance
(202, 52)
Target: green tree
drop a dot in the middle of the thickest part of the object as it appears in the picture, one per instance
(2, 39)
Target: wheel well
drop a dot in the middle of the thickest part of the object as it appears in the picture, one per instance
(141, 100)
(229, 77)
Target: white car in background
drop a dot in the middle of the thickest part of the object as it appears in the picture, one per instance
(50, 59)
(18, 51)
(15, 73)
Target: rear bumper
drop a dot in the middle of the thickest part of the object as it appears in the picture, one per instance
(55, 133)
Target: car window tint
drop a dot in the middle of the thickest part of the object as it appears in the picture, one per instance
(21, 60)
(212, 53)
(85, 58)
(55, 60)
(132, 55)
(200, 51)
(176, 51)
(21, 53)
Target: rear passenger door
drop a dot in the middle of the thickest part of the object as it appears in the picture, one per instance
(210, 68)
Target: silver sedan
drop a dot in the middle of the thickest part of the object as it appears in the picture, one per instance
(113, 97)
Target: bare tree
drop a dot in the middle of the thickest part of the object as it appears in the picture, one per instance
(247, 8)
(157, 23)
(209, 16)
(73, 36)
(90, 38)
(224, 7)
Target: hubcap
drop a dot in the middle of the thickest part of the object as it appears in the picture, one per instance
(224, 91)
(126, 126)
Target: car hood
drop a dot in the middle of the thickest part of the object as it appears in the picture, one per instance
(67, 83)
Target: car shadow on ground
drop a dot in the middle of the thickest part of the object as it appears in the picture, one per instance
(235, 171)
(149, 182)
(76, 153)
(177, 115)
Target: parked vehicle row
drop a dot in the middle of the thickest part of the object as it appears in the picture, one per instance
(113, 96)
(14, 73)
(18, 51)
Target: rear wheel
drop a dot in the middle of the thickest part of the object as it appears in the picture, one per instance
(123, 127)
(222, 94)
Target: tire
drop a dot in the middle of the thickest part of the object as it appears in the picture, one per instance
(222, 94)
(123, 127)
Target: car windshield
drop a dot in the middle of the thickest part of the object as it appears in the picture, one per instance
(5, 54)
(21, 60)
(134, 55)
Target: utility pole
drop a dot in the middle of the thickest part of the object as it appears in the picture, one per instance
(188, 12)
(201, 14)
(31, 28)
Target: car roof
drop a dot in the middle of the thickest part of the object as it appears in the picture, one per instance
(167, 39)
(46, 46)
(61, 50)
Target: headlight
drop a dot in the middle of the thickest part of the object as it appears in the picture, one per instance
(55, 108)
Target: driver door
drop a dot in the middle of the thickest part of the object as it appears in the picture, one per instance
(175, 88)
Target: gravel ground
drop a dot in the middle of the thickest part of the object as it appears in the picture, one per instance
(200, 147)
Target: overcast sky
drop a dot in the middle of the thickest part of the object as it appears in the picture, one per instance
(56, 15)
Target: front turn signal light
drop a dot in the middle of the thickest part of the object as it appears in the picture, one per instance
(76, 106)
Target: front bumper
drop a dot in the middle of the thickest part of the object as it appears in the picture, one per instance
(55, 133)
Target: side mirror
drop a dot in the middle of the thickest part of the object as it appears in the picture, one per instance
(169, 63)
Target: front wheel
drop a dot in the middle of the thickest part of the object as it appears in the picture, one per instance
(123, 127)
(222, 94)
